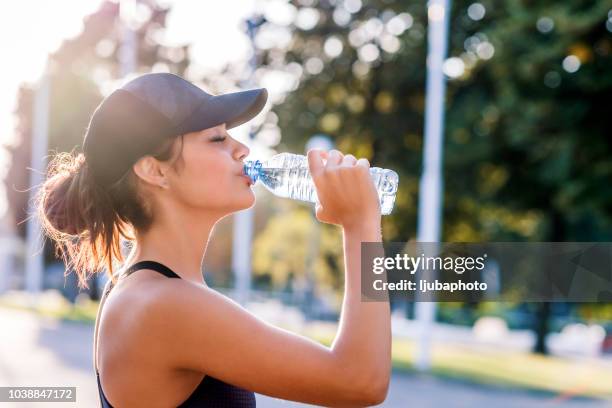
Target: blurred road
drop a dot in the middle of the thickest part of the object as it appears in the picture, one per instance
(36, 351)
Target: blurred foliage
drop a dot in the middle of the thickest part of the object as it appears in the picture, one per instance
(81, 71)
(290, 238)
(527, 151)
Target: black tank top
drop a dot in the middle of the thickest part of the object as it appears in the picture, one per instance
(211, 392)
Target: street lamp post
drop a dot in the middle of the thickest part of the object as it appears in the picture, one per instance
(322, 142)
(34, 261)
(430, 189)
(128, 51)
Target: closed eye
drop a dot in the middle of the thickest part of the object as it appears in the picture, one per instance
(218, 139)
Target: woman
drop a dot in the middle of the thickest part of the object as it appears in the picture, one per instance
(159, 169)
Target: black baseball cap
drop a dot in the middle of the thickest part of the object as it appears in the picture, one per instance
(138, 117)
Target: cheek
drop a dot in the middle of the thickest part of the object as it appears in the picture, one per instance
(207, 181)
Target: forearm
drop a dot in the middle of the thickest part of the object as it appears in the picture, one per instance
(364, 334)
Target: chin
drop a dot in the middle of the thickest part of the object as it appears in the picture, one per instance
(248, 202)
(244, 202)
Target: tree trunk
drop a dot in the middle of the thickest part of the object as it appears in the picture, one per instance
(557, 234)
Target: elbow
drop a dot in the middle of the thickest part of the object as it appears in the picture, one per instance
(373, 389)
(377, 392)
(364, 384)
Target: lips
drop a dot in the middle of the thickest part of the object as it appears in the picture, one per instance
(244, 175)
(247, 178)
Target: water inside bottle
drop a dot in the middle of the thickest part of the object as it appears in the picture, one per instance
(289, 176)
(294, 183)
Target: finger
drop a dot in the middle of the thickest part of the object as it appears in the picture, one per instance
(315, 162)
(349, 160)
(334, 158)
(363, 162)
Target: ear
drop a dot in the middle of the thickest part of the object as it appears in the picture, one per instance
(151, 171)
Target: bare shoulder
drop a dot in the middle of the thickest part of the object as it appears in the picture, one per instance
(181, 304)
(153, 291)
(155, 300)
(143, 305)
(184, 318)
(147, 314)
(168, 307)
(176, 295)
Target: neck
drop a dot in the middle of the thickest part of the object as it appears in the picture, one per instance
(179, 242)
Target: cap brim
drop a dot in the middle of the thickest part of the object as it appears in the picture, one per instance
(233, 109)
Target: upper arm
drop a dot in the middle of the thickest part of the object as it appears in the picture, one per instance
(205, 331)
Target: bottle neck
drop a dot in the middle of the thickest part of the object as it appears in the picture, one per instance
(252, 169)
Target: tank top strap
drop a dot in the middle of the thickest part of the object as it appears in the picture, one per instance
(155, 266)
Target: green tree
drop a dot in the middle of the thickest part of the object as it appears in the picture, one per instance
(527, 141)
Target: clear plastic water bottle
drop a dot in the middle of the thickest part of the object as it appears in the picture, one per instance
(287, 175)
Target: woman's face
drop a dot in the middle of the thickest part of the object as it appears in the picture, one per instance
(209, 174)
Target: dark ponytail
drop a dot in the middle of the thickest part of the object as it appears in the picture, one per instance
(88, 222)
(81, 218)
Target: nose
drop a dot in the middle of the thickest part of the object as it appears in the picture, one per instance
(242, 151)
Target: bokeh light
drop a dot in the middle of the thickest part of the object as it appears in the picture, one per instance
(485, 50)
(476, 11)
(333, 47)
(307, 18)
(352, 6)
(453, 67)
(545, 25)
(400, 23)
(341, 16)
(571, 63)
(369, 53)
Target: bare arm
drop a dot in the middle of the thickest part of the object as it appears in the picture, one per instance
(364, 336)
